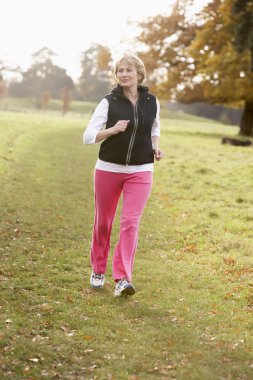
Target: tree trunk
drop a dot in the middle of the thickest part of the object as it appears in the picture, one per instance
(246, 124)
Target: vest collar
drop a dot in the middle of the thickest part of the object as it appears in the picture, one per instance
(119, 90)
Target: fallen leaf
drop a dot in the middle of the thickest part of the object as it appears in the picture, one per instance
(46, 308)
(88, 337)
(34, 360)
(229, 260)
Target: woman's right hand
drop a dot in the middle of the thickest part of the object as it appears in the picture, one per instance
(119, 127)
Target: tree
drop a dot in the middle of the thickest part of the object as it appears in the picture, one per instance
(242, 10)
(43, 77)
(2, 87)
(6, 68)
(163, 42)
(96, 78)
(201, 57)
(224, 70)
(66, 99)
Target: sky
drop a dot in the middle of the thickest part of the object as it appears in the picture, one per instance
(69, 27)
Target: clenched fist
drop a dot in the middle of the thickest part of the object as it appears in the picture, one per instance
(120, 126)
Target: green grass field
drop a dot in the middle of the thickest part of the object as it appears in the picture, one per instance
(191, 318)
(29, 105)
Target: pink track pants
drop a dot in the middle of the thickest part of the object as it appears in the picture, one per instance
(108, 187)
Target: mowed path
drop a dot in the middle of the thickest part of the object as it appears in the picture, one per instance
(191, 317)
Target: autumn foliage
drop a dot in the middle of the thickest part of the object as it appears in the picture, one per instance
(207, 58)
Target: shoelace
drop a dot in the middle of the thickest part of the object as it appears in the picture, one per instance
(98, 276)
(122, 283)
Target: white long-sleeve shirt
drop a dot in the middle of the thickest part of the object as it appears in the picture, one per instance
(97, 123)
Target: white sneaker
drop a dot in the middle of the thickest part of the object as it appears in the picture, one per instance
(124, 288)
(97, 281)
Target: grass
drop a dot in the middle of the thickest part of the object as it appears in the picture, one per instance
(25, 105)
(191, 318)
(77, 107)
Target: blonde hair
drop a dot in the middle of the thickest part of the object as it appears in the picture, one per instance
(135, 61)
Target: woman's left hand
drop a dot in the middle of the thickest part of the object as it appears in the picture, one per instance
(158, 153)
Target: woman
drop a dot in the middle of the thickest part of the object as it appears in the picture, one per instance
(125, 165)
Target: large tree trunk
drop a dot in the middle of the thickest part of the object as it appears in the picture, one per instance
(246, 125)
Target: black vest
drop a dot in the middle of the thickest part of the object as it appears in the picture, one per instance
(134, 146)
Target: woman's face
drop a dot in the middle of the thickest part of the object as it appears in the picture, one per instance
(127, 75)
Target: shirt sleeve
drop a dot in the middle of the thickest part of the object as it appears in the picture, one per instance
(96, 123)
(155, 131)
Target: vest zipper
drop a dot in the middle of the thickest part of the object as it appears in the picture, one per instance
(130, 147)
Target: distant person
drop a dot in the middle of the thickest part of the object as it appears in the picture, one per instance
(130, 115)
